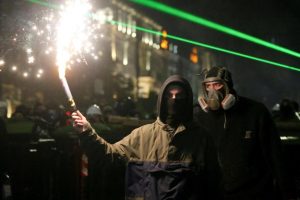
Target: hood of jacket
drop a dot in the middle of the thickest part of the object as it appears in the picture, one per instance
(161, 105)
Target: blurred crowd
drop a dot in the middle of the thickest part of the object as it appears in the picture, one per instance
(46, 118)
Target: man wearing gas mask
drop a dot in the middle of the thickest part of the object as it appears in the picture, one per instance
(245, 161)
(164, 159)
(218, 92)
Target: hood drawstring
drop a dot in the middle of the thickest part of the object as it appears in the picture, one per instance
(225, 121)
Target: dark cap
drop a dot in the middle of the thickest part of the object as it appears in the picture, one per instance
(219, 74)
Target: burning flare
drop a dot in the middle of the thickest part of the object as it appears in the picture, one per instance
(72, 36)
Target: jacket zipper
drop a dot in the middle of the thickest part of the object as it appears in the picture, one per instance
(225, 121)
(225, 126)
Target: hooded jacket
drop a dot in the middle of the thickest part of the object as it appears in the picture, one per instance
(247, 151)
(162, 162)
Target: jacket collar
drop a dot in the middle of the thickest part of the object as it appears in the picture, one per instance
(170, 129)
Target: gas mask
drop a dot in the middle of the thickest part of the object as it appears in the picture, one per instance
(217, 90)
(214, 99)
(217, 99)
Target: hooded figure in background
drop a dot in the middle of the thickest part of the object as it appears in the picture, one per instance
(246, 161)
(165, 158)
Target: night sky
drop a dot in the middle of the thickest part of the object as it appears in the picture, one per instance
(272, 21)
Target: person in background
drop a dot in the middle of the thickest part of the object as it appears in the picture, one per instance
(21, 112)
(94, 114)
(246, 162)
(165, 158)
(288, 111)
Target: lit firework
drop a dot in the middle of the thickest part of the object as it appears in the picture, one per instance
(72, 35)
(68, 33)
(74, 31)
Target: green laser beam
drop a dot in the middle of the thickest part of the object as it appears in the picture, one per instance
(204, 22)
(191, 42)
(43, 3)
(209, 46)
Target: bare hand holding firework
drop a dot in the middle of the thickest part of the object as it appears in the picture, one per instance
(80, 122)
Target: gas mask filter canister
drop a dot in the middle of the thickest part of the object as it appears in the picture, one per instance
(216, 99)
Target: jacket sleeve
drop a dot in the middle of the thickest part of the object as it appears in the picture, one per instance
(273, 152)
(97, 148)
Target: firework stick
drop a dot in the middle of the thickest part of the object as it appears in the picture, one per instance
(68, 93)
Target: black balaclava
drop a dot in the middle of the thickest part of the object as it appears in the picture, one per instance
(178, 110)
(175, 105)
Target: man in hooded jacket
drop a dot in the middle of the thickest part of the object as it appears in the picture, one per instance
(165, 158)
(246, 162)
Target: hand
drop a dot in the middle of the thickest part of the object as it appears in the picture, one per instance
(79, 122)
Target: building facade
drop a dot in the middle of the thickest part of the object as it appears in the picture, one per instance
(130, 62)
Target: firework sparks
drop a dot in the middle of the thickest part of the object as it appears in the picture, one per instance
(72, 33)
(72, 36)
(68, 32)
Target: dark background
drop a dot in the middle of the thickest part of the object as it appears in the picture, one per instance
(55, 166)
(273, 21)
